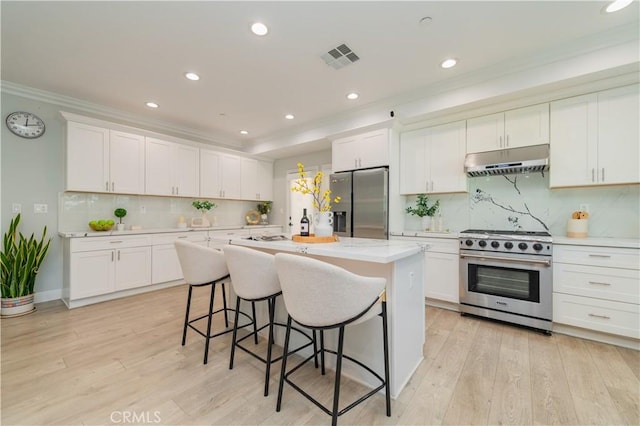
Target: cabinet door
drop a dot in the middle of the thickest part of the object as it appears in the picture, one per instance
(126, 159)
(446, 158)
(265, 180)
(165, 264)
(441, 276)
(344, 154)
(526, 126)
(133, 267)
(618, 136)
(230, 176)
(249, 179)
(573, 141)
(373, 149)
(158, 164)
(413, 178)
(186, 170)
(485, 133)
(210, 172)
(87, 158)
(91, 273)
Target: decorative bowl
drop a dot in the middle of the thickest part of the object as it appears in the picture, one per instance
(97, 226)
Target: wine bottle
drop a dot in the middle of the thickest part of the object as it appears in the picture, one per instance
(304, 224)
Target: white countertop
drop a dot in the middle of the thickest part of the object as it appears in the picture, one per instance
(114, 233)
(597, 242)
(425, 234)
(362, 249)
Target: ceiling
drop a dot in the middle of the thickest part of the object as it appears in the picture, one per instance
(121, 54)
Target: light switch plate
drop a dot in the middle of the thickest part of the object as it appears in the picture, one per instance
(40, 208)
(16, 208)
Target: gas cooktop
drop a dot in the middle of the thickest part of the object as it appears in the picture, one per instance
(517, 242)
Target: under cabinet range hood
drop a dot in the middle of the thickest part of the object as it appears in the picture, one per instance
(508, 161)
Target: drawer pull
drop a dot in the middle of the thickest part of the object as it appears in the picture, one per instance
(600, 255)
(184, 236)
(599, 316)
(598, 283)
(115, 242)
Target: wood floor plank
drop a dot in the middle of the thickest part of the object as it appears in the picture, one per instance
(632, 358)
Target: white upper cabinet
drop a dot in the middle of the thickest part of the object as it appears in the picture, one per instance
(432, 160)
(171, 168)
(595, 139)
(249, 179)
(511, 129)
(103, 160)
(361, 151)
(219, 175)
(265, 180)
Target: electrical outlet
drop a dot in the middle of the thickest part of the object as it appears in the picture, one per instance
(584, 208)
(16, 208)
(40, 208)
(143, 210)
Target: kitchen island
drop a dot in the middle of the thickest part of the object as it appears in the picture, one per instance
(402, 264)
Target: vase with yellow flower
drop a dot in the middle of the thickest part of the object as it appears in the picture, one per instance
(323, 218)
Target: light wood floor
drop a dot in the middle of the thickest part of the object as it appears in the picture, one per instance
(121, 362)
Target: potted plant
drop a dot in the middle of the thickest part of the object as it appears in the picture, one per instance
(120, 213)
(423, 210)
(264, 208)
(20, 262)
(203, 207)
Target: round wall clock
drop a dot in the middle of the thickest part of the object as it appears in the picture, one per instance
(25, 124)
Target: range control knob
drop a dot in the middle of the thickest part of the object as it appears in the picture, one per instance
(508, 245)
(495, 244)
(482, 243)
(537, 246)
(522, 246)
(469, 243)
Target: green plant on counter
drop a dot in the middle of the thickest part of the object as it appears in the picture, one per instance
(264, 207)
(120, 213)
(203, 206)
(20, 260)
(422, 208)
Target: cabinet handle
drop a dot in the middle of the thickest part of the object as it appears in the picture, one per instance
(184, 236)
(507, 142)
(113, 186)
(500, 142)
(598, 283)
(599, 316)
(606, 256)
(593, 175)
(177, 190)
(603, 174)
(106, 186)
(118, 255)
(112, 256)
(115, 242)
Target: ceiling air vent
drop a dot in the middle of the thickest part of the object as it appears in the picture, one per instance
(340, 57)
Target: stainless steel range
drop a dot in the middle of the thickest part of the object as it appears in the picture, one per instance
(506, 275)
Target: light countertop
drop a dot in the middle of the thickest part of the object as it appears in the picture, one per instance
(114, 233)
(598, 242)
(425, 234)
(362, 249)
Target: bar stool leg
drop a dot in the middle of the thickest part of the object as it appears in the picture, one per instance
(235, 333)
(207, 338)
(186, 317)
(322, 351)
(336, 390)
(315, 349)
(224, 306)
(285, 354)
(272, 307)
(385, 335)
(255, 323)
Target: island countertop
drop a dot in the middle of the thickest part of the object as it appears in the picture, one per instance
(362, 249)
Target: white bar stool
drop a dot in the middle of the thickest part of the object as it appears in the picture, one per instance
(254, 279)
(203, 266)
(321, 296)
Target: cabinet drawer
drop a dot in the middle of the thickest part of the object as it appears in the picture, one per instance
(107, 243)
(231, 233)
(596, 314)
(598, 256)
(622, 285)
(170, 238)
(442, 245)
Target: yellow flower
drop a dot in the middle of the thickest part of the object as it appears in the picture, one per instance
(321, 199)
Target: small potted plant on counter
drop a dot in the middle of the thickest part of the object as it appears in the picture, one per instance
(423, 210)
(264, 208)
(120, 213)
(203, 207)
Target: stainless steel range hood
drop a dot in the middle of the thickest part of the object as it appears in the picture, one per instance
(508, 161)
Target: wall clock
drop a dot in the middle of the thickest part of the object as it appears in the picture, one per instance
(25, 124)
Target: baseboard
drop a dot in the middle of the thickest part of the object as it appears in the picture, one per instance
(442, 304)
(48, 295)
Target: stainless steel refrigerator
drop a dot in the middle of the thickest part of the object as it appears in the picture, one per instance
(363, 211)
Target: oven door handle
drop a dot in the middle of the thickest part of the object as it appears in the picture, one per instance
(508, 259)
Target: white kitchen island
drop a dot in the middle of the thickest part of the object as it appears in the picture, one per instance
(402, 264)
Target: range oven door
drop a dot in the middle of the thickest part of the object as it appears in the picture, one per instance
(519, 284)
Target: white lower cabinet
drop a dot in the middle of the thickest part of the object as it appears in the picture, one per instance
(165, 263)
(597, 288)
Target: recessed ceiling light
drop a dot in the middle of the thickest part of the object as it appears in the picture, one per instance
(289, 116)
(192, 76)
(244, 132)
(449, 63)
(352, 96)
(616, 5)
(152, 105)
(259, 29)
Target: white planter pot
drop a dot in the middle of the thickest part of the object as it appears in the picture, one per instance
(120, 226)
(426, 223)
(324, 224)
(16, 306)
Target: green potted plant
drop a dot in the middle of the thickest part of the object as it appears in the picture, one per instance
(20, 262)
(264, 208)
(120, 213)
(424, 210)
(203, 207)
